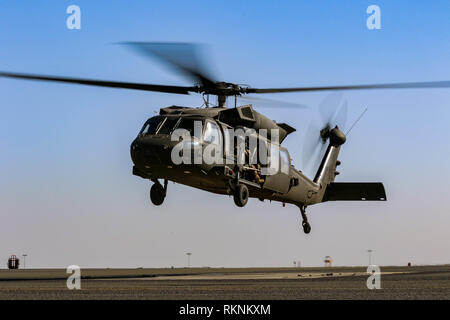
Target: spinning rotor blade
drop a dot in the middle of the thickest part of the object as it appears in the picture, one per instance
(101, 83)
(328, 107)
(312, 144)
(183, 57)
(341, 116)
(187, 58)
(333, 111)
(402, 85)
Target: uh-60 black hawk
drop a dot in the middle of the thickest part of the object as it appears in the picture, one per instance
(151, 151)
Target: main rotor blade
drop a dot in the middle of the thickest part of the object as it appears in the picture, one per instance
(271, 103)
(404, 85)
(101, 83)
(184, 57)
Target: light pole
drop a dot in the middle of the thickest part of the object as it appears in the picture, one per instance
(24, 256)
(189, 258)
(370, 256)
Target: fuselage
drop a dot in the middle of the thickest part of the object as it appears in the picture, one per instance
(152, 153)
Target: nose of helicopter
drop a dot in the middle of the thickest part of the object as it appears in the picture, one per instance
(150, 151)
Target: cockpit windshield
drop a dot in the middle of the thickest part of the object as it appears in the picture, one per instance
(151, 126)
(159, 125)
(168, 125)
(165, 125)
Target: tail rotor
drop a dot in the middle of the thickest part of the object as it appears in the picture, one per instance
(333, 117)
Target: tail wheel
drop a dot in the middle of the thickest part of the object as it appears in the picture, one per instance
(157, 194)
(241, 195)
(306, 227)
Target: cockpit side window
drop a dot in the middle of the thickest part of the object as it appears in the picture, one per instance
(212, 134)
(187, 124)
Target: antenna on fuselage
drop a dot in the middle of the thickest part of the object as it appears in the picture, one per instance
(357, 120)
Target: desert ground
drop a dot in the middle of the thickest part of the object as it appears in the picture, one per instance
(416, 282)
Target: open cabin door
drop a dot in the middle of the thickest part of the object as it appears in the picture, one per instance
(279, 180)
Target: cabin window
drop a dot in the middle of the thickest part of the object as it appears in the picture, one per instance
(211, 134)
(227, 144)
(263, 152)
(284, 160)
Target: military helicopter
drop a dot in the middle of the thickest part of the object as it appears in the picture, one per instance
(152, 150)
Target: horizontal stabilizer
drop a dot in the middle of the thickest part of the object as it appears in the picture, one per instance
(285, 130)
(355, 191)
(286, 127)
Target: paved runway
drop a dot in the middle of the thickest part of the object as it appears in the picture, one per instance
(418, 282)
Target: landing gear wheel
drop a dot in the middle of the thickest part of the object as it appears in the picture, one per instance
(157, 194)
(305, 224)
(240, 195)
(306, 227)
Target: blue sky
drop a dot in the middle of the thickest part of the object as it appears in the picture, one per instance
(67, 195)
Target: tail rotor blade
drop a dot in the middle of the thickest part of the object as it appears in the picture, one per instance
(328, 107)
(332, 111)
(341, 116)
(311, 143)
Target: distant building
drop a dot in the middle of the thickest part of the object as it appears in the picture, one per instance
(13, 262)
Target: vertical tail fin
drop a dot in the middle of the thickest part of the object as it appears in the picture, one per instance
(327, 169)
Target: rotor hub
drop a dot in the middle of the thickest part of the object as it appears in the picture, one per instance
(337, 137)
